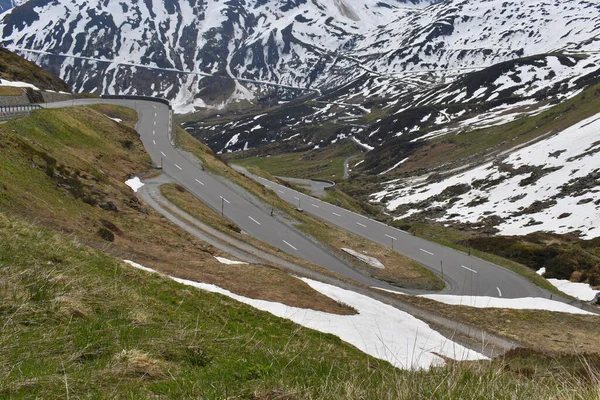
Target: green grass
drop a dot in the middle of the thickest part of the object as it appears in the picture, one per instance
(327, 163)
(77, 323)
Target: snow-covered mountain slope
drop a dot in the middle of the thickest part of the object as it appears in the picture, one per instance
(493, 96)
(475, 34)
(551, 185)
(317, 44)
(278, 42)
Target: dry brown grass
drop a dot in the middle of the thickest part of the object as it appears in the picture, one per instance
(543, 331)
(135, 363)
(127, 115)
(399, 270)
(10, 91)
(257, 282)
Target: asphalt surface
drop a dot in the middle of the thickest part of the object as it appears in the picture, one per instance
(153, 126)
(466, 275)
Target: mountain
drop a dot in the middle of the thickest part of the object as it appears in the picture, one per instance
(16, 69)
(283, 43)
(301, 44)
(428, 89)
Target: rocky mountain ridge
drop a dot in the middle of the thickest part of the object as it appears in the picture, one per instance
(302, 44)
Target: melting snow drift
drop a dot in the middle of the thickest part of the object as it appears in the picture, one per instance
(527, 303)
(223, 260)
(581, 291)
(379, 330)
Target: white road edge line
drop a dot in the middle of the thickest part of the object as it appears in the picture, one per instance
(425, 251)
(391, 237)
(225, 200)
(499, 292)
(199, 182)
(290, 245)
(472, 270)
(164, 155)
(336, 214)
(358, 223)
(254, 220)
(178, 167)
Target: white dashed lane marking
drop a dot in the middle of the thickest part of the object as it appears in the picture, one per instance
(469, 269)
(290, 245)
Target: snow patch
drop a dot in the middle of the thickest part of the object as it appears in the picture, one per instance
(378, 329)
(223, 260)
(526, 303)
(372, 261)
(135, 184)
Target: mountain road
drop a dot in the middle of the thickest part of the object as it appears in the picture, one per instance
(464, 274)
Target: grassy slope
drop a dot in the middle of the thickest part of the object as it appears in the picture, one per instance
(327, 163)
(15, 68)
(440, 151)
(402, 271)
(59, 167)
(77, 323)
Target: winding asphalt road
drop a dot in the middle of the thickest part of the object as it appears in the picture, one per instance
(466, 275)
(153, 126)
